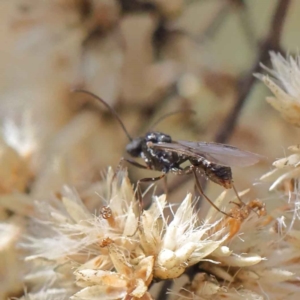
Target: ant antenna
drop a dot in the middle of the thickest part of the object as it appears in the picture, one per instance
(108, 106)
(189, 111)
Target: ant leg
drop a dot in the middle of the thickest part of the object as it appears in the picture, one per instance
(237, 204)
(240, 205)
(198, 185)
(136, 164)
(185, 171)
(150, 179)
(237, 194)
(133, 162)
(165, 186)
(130, 161)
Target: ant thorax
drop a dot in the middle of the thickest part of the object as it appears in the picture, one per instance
(157, 159)
(158, 137)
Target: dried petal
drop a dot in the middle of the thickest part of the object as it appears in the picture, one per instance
(97, 292)
(242, 261)
(166, 258)
(276, 274)
(163, 273)
(98, 277)
(144, 270)
(75, 210)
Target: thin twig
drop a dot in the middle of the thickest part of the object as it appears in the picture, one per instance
(247, 25)
(215, 24)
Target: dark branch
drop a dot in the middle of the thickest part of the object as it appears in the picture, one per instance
(167, 284)
(272, 42)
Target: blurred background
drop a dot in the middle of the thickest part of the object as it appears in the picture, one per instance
(145, 58)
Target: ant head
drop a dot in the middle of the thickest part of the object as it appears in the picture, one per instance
(158, 137)
(134, 148)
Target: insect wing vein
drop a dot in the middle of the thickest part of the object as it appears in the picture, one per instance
(218, 153)
(222, 154)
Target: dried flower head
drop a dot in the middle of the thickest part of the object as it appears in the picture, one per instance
(257, 261)
(118, 252)
(285, 85)
(181, 243)
(130, 279)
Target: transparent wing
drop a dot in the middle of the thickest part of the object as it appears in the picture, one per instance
(218, 153)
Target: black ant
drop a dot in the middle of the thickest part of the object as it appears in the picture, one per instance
(161, 153)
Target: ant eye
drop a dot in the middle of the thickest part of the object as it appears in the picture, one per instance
(151, 137)
(134, 148)
(164, 138)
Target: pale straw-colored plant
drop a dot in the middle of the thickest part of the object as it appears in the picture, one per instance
(119, 251)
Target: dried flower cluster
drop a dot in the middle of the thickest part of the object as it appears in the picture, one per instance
(117, 252)
(94, 242)
(285, 85)
(120, 251)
